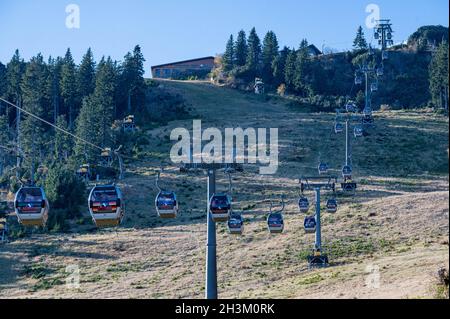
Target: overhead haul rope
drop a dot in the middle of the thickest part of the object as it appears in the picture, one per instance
(52, 125)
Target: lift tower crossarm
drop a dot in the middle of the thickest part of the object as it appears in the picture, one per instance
(306, 185)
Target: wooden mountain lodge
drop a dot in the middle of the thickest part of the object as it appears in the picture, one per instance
(194, 68)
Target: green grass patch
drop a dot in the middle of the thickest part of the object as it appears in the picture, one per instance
(311, 280)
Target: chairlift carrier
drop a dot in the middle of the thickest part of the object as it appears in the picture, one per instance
(31, 206)
(106, 205)
(220, 204)
(275, 220)
(166, 202)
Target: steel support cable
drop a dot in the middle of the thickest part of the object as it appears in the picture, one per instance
(52, 125)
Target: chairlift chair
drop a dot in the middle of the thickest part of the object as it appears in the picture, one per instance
(322, 168)
(236, 224)
(358, 131)
(106, 205)
(384, 55)
(380, 71)
(350, 107)
(376, 35)
(259, 86)
(331, 205)
(275, 223)
(31, 206)
(220, 204)
(128, 123)
(374, 87)
(303, 204)
(106, 156)
(220, 207)
(84, 171)
(166, 202)
(358, 80)
(310, 224)
(338, 128)
(275, 220)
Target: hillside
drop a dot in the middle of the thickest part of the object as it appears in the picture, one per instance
(398, 221)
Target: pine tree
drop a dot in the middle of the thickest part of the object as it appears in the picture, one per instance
(132, 82)
(63, 142)
(279, 66)
(360, 42)
(68, 85)
(87, 128)
(228, 56)
(269, 54)
(304, 44)
(86, 75)
(289, 72)
(34, 101)
(54, 79)
(104, 98)
(240, 48)
(15, 70)
(65, 191)
(438, 75)
(96, 114)
(253, 62)
(301, 68)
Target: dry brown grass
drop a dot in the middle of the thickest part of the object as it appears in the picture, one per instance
(398, 221)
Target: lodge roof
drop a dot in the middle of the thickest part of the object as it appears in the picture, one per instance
(180, 62)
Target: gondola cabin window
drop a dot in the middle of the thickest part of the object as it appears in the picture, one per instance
(30, 200)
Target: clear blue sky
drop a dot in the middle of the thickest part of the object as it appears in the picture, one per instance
(171, 30)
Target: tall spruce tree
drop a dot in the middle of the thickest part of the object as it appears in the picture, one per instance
(289, 72)
(279, 66)
(69, 89)
(15, 70)
(228, 57)
(105, 86)
(253, 62)
(87, 128)
(360, 42)
(86, 75)
(240, 49)
(269, 54)
(301, 69)
(96, 114)
(132, 82)
(63, 142)
(34, 101)
(54, 79)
